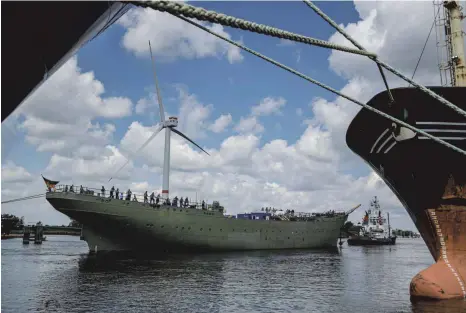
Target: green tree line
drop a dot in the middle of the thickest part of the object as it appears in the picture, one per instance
(11, 222)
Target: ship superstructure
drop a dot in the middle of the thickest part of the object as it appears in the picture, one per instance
(375, 230)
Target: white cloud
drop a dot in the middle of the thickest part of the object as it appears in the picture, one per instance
(59, 116)
(297, 55)
(221, 123)
(244, 173)
(146, 103)
(11, 173)
(100, 168)
(193, 114)
(286, 43)
(268, 106)
(249, 125)
(173, 38)
(299, 112)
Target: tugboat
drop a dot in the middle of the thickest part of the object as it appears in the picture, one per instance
(373, 231)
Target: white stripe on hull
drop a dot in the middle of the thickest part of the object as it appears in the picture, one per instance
(441, 123)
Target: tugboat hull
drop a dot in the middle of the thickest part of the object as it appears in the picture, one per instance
(365, 241)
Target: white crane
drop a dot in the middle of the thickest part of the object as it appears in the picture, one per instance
(169, 125)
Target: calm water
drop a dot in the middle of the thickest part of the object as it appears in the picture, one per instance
(57, 276)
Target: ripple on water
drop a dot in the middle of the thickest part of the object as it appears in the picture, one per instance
(58, 277)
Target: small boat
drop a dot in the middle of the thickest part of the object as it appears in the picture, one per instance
(373, 231)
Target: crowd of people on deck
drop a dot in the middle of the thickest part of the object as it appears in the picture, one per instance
(152, 199)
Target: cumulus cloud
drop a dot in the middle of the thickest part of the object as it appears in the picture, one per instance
(286, 43)
(146, 103)
(268, 106)
(249, 125)
(59, 116)
(11, 173)
(221, 123)
(193, 114)
(172, 38)
(244, 173)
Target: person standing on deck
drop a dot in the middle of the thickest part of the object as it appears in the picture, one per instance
(152, 198)
(203, 204)
(186, 202)
(145, 197)
(128, 195)
(157, 199)
(81, 189)
(71, 188)
(175, 202)
(117, 193)
(112, 191)
(103, 191)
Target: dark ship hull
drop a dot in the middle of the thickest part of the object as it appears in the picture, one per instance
(428, 178)
(368, 241)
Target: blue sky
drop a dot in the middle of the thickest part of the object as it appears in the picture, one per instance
(231, 88)
(126, 75)
(234, 88)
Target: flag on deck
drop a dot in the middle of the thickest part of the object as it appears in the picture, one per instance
(50, 183)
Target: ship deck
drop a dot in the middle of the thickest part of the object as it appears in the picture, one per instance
(135, 225)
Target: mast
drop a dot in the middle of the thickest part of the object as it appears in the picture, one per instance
(457, 42)
(450, 43)
(388, 220)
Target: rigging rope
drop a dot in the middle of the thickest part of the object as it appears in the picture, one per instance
(182, 9)
(24, 198)
(383, 64)
(198, 13)
(354, 42)
(425, 44)
(289, 69)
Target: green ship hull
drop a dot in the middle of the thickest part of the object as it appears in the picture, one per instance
(113, 225)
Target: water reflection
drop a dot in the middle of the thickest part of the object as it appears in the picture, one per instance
(60, 277)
